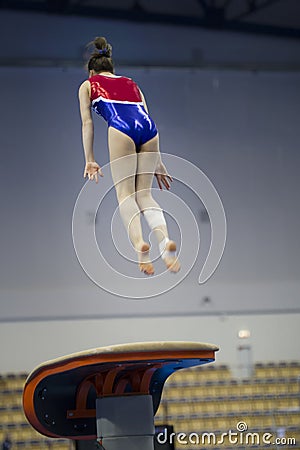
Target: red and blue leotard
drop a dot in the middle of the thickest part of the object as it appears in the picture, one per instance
(118, 100)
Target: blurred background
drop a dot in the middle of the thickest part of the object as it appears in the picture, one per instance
(221, 79)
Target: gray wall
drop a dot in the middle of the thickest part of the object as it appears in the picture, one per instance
(239, 127)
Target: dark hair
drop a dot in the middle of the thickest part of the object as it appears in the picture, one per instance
(100, 60)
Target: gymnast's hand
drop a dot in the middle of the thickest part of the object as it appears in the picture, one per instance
(92, 170)
(162, 176)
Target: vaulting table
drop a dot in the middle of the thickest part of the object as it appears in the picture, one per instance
(110, 394)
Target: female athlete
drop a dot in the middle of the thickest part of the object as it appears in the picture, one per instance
(134, 152)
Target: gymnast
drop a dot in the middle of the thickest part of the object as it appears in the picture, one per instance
(131, 133)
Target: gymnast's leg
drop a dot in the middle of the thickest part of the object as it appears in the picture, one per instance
(124, 173)
(147, 160)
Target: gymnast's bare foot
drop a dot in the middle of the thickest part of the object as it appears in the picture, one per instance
(145, 263)
(169, 257)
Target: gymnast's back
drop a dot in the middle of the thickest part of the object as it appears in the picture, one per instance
(109, 91)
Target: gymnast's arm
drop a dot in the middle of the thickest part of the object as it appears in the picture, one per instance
(92, 169)
(161, 173)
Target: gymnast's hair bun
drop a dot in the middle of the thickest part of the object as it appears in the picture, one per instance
(100, 59)
(102, 47)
